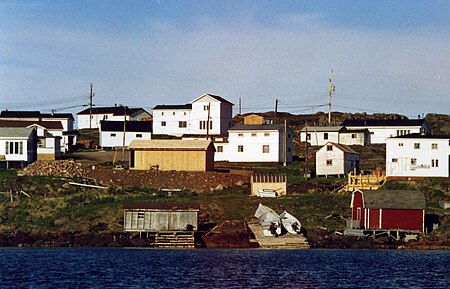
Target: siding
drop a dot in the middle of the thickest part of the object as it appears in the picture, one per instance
(402, 219)
(174, 160)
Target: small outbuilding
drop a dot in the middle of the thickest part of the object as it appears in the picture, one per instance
(336, 159)
(168, 155)
(153, 217)
(398, 210)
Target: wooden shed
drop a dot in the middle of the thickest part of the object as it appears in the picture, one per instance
(168, 155)
(389, 210)
(152, 217)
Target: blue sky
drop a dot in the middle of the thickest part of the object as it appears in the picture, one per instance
(387, 56)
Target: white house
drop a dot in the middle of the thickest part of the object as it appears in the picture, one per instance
(206, 115)
(112, 132)
(68, 136)
(418, 155)
(320, 135)
(336, 159)
(114, 113)
(381, 130)
(256, 143)
(17, 146)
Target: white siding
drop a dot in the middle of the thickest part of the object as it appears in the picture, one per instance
(341, 162)
(83, 119)
(318, 138)
(111, 139)
(379, 135)
(172, 118)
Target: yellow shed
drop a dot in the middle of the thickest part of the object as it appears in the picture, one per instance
(253, 119)
(172, 155)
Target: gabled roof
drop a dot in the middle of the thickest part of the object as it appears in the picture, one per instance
(173, 107)
(114, 110)
(51, 125)
(36, 114)
(422, 136)
(342, 147)
(394, 199)
(216, 97)
(250, 127)
(382, 122)
(160, 144)
(163, 206)
(130, 126)
(323, 128)
(135, 111)
(21, 132)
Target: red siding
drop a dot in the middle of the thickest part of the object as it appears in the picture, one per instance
(358, 203)
(402, 219)
(374, 219)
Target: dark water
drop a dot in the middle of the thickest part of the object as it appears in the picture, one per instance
(152, 268)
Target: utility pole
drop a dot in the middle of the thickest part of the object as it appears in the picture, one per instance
(285, 143)
(124, 131)
(240, 107)
(276, 109)
(306, 155)
(91, 95)
(207, 122)
(331, 89)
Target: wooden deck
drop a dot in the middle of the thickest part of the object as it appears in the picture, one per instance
(174, 240)
(287, 241)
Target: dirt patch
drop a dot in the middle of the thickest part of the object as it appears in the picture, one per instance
(229, 234)
(191, 181)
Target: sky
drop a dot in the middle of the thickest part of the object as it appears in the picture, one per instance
(386, 56)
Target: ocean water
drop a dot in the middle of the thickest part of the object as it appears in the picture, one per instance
(198, 268)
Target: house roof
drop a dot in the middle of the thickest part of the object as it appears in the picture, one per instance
(216, 97)
(114, 110)
(342, 147)
(21, 132)
(394, 199)
(249, 127)
(36, 114)
(51, 125)
(423, 136)
(323, 128)
(176, 144)
(173, 106)
(382, 122)
(163, 206)
(130, 126)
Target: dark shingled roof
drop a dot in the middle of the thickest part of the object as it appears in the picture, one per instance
(115, 110)
(219, 98)
(162, 206)
(173, 106)
(130, 126)
(382, 122)
(394, 199)
(37, 114)
(26, 123)
(241, 126)
(342, 147)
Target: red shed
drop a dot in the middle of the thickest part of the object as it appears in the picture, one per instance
(389, 210)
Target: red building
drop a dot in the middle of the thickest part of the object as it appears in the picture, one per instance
(389, 210)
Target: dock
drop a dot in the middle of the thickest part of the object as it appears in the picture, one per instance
(288, 241)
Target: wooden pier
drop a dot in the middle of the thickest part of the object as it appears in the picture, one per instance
(288, 241)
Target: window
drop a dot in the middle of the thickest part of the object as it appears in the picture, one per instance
(182, 124)
(162, 113)
(184, 113)
(434, 146)
(240, 149)
(163, 123)
(139, 135)
(14, 148)
(325, 135)
(308, 136)
(413, 162)
(329, 147)
(173, 113)
(220, 149)
(394, 160)
(289, 150)
(253, 134)
(203, 124)
(400, 144)
(205, 107)
(240, 134)
(113, 135)
(267, 134)
(434, 163)
(289, 135)
(265, 149)
(354, 135)
(329, 162)
(417, 146)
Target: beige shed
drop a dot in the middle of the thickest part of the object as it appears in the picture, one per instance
(168, 155)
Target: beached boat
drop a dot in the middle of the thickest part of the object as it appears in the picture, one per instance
(290, 223)
(269, 220)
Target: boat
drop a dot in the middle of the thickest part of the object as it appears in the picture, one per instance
(269, 220)
(290, 223)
